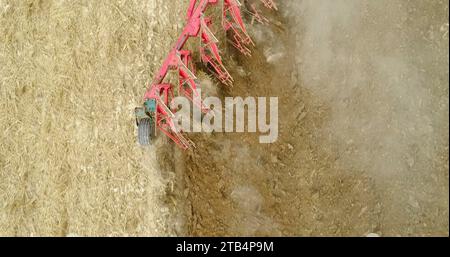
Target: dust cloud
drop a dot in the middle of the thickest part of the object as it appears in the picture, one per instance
(381, 67)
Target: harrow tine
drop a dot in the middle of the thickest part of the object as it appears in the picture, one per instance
(164, 106)
(270, 4)
(183, 142)
(188, 85)
(209, 40)
(233, 9)
(209, 45)
(232, 20)
(257, 16)
(240, 47)
(219, 71)
(164, 119)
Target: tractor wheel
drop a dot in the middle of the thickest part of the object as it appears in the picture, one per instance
(145, 131)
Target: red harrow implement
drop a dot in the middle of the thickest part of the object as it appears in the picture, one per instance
(156, 112)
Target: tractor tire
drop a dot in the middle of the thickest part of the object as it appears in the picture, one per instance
(145, 132)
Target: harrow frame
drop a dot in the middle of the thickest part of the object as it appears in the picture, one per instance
(159, 94)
